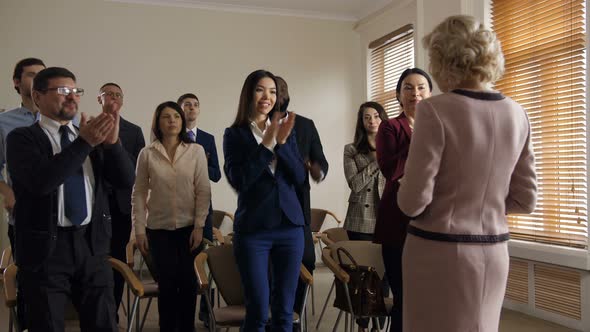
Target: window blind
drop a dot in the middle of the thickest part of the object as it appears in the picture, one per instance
(390, 56)
(544, 47)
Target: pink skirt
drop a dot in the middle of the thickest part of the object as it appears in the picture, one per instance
(453, 287)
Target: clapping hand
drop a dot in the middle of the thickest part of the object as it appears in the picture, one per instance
(278, 130)
(113, 110)
(96, 130)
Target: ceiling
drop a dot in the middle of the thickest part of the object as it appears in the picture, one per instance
(347, 10)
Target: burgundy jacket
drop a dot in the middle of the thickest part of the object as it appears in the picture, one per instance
(393, 142)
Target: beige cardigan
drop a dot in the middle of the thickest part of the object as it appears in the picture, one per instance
(470, 163)
(170, 194)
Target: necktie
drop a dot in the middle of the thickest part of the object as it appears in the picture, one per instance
(74, 190)
(191, 136)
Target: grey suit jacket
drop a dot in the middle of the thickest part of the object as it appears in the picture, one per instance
(366, 187)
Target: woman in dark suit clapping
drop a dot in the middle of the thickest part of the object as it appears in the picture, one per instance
(263, 165)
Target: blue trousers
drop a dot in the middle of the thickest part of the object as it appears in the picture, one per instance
(283, 248)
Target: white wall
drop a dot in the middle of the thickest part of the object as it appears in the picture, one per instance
(157, 53)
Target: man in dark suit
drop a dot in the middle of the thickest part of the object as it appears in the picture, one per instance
(62, 220)
(192, 109)
(310, 148)
(110, 97)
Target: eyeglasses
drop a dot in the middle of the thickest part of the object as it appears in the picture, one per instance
(116, 95)
(65, 91)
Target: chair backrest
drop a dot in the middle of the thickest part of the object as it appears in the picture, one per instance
(218, 216)
(6, 258)
(131, 249)
(364, 253)
(10, 286)
(317, 219)
(223, 268)
(318, 216)
(336, 234)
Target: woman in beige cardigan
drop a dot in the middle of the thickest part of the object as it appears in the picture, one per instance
(170, 202)
(470, 163)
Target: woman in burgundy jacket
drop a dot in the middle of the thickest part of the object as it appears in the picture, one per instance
(393, 142)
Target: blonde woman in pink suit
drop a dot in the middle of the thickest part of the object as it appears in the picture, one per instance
(470, 164)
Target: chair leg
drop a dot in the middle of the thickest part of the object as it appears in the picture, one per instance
(138, 312)
(212, 322)
(128, 300)
(10, 321)
(303, 310)
(346, 320)
(337, 322)
(312, 302)
(133, 312)
(123, 303)
(305, 326)
(145, 313)
(317, 327)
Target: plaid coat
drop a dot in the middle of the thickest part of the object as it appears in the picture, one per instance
(366, 184)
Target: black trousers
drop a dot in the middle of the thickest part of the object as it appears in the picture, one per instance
(207, 234)
(70, 272)
(177, 281)
(392, 258)
(309, 263)
(121, 226)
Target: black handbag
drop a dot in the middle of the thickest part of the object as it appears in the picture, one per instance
(364, 288)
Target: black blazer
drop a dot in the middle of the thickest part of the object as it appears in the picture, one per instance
(310, 148)
(37, 173)
(207, 141)
(263, 197)
(133, 141)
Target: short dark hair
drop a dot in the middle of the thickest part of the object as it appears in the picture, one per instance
(109, 84)
(284, 88)
(361, 140)
(246, 105)
(41, 81)
(185, 96)
(20, 66)
(406, 73)
(156, 121)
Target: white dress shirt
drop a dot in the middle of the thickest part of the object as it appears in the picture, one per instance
(51, 129)
(258, 135)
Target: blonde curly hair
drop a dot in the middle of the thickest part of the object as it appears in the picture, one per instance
(462, 49)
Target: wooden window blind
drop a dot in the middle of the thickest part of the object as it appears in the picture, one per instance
(390, 56)
(544, 47)
(558, 290)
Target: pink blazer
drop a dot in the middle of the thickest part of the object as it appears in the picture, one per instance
(470, 163)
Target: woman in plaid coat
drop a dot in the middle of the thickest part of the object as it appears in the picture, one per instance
(362, 173)
(364, 178)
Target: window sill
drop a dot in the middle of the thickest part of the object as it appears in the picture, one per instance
(551, 254)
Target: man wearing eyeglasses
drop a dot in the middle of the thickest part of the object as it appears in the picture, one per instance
(62, 221)
(191, 106)
(110, 97)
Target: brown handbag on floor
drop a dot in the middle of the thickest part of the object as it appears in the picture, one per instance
(364, 287)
